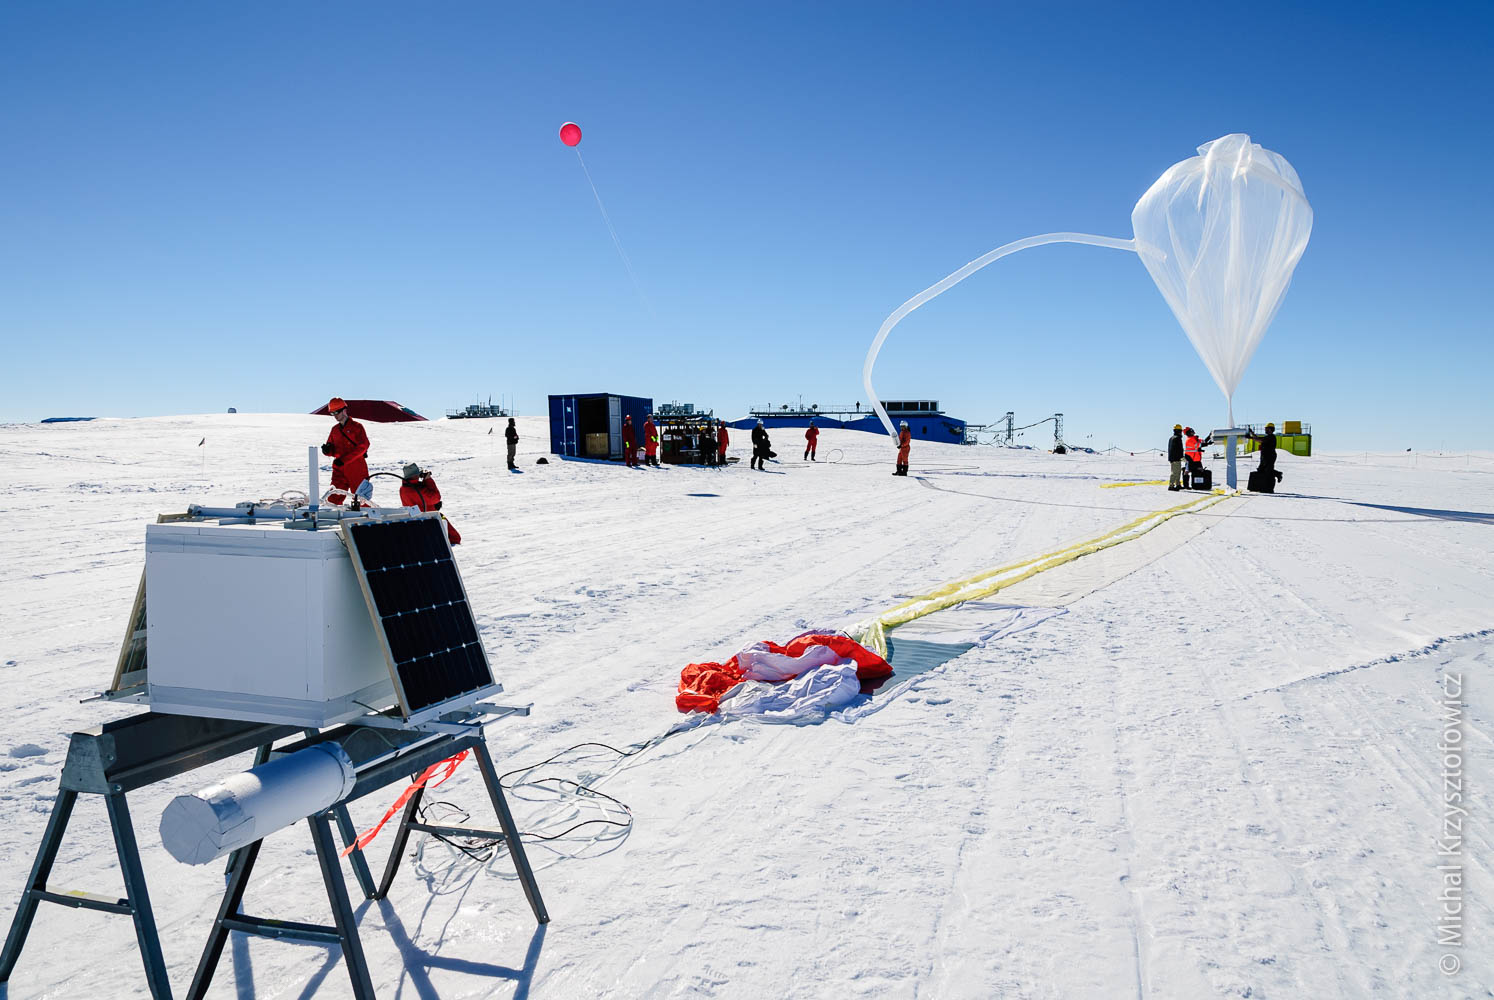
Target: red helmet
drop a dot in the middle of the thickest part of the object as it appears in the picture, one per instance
(1187, 430)
(336, 403)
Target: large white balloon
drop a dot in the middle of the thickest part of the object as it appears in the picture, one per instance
(1231, 224)
(1220, 232)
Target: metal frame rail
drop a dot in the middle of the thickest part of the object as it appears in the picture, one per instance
(124, 755)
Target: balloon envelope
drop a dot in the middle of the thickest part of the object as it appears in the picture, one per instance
(570, 134)
(1230, 224)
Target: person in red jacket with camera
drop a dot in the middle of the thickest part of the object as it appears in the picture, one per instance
(348, 446)
(417, 489)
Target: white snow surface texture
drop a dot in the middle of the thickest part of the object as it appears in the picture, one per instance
(1215, 773)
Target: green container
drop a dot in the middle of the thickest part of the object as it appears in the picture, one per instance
(1296, 444)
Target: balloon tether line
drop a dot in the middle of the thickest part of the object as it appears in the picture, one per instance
(935, 290)
(615, 241)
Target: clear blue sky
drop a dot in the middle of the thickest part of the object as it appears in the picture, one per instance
(260, 205)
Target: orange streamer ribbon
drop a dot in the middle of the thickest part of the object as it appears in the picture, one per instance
(427, 779)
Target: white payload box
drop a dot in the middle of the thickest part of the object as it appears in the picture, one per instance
(253, 621)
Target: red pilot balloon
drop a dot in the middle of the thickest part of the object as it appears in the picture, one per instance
(570, 134)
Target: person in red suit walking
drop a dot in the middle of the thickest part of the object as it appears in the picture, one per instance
(650, 442)
(811, 440)
(722, 440)
(348, 445)
(904, 445)
(630, 442)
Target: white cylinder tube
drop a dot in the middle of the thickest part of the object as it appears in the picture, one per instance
(245, 807)
(313, 479)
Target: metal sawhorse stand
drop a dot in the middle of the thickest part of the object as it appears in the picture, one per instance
(127, 754)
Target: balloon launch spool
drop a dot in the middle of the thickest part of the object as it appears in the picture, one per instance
(1220, 233)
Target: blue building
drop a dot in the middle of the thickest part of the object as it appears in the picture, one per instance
(925, 420)
(589, 424)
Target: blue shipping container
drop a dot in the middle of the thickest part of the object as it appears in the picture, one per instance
(589, 424)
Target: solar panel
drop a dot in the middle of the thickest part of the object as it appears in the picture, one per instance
(419, 604)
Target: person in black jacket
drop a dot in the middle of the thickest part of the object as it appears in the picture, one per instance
(1175, 457)
(1267, 447)
(707, 438)
(761, 446)
(512, 436)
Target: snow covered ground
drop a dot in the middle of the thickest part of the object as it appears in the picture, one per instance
(1216, 773)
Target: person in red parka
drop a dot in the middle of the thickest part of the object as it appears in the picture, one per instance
(348, 446)
(651, 442)
(417, 489)
(904, 445)
(722, 440)
(811, 439)
(630, 443)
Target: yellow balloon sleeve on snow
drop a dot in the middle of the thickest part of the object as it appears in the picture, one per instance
(873, 633)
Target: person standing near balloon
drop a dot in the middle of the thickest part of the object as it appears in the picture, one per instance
(347, 444)
(1265, 474)
(811, 440)
(630, 442)
(904, 446)
(1194, 449)
(650, 442)
(1175, 458)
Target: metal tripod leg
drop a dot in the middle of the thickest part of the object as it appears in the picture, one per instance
(401, 838)
(231, 918)
(349, 834)
(233, 899)
(511, 833)
(136, 902)
(134, 880)
(41, 869)
(342, 908)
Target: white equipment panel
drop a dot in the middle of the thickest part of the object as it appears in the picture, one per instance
(257, 622)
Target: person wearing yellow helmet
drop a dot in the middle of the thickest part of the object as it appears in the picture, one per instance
(1265, 475)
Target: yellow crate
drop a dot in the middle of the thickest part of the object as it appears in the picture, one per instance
(1291, 427)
